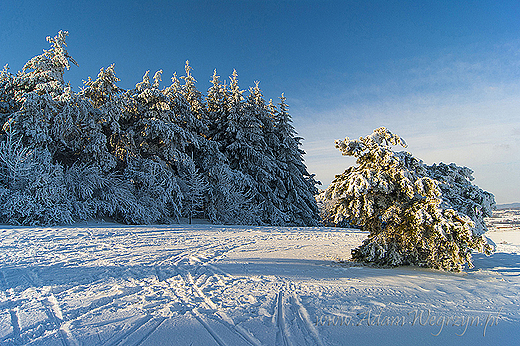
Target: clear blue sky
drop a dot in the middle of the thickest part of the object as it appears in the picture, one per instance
(445, 75)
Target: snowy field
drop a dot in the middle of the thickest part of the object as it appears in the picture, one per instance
(106, 284)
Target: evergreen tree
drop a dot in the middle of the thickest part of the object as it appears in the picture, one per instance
(300, 186)
(143, 155)
(31, 186)
(243, 132)
(460, 194)
(192, 96)
(8, 100)
(393, 196)
(45, 71)
(266, 170)
(216, 109)
(194, 188)
(233, 197)
(110, 104)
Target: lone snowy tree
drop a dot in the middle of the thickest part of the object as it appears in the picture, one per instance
(407, 207)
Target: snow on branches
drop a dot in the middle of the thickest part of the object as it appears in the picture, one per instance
(148, 154)
(430, 216)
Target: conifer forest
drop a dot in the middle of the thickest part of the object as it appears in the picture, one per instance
(146, 155)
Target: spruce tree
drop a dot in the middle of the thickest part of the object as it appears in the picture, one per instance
(265, 168)
(216, 109)
(394, 197)
(144, 155)
(299, 184)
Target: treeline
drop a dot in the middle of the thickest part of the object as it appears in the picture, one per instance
(146, 155)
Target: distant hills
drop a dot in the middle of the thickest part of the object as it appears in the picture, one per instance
(508, 206)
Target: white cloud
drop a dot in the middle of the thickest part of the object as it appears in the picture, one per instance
(475, 123)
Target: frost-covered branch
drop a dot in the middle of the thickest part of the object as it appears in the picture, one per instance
(430, 216)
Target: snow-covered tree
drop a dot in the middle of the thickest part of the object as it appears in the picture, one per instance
(157, 190)
(216, 109)
(299, 184)
(31, 186)
(232, 196)
(144, 155)
(8, 91)
(194, 188)
(243, 131)
(399, 201)
(190, 93)
(44, 72)
(103, 89)
(460, 194)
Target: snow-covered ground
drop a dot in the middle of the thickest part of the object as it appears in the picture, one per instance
(106, 284)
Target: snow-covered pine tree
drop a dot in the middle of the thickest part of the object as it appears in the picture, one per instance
(260, 142)
(8, 102)
(159, 142)
(243, 132)
(268, 173)
(127, 155)
(460, 194)
(240, 137)
(17, 162)
(31, 186)
(192, 118)
(110, 104)
(103, 90)
(216, 109)
(194, 188)
(59, 128)
(300, 186)
(44, 72)
(392, 196)
(51, 116)
(192, 96)
(158, 130)
(231, 197)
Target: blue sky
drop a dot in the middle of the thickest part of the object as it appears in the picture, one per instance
(445, 75)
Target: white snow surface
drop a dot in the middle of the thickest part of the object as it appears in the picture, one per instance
(107, 284)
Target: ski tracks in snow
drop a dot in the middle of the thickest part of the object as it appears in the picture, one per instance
(121, 287)
(293, 323)
(184, 276)
(137, 333)
(194, 272)
(56, 315)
